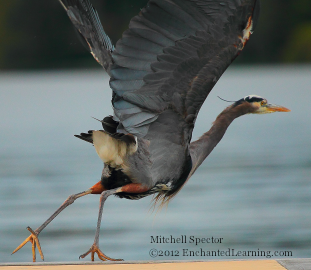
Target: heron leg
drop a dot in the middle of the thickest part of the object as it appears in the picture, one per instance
(94, 248)
(130, 188)
(33, 238)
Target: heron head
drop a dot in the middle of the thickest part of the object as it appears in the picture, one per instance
(261, 105)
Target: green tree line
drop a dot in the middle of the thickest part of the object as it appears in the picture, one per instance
(37, 34)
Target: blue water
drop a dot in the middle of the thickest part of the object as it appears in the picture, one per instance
(253, 190)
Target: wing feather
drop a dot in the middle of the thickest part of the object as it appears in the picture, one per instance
(183, 46)
(86, 21)
(129, 51)
(132, 63)
(123, 73)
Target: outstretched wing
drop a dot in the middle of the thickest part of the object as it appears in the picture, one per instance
(166, 64)
(169, 60)
(86, 21)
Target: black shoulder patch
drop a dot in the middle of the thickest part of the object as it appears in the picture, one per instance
(109, 125)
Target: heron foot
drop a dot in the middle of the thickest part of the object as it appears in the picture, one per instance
(34, 240)
(95, 249)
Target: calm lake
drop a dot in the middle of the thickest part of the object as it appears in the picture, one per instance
(253, 191)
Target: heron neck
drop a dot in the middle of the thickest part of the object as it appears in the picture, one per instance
(201, 148)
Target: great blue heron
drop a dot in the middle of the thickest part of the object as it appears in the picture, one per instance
(161, 70)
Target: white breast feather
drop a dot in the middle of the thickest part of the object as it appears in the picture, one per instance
(110, 150)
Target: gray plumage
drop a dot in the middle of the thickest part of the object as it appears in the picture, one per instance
(162, 70)
(165, 65)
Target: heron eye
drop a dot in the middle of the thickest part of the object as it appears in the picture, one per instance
(262, 103)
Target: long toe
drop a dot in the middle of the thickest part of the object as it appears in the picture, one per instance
(95, 249)
(34, 240)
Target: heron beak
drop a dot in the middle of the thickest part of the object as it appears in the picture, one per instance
(276, 108)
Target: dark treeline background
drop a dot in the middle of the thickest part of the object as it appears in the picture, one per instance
(37, 34)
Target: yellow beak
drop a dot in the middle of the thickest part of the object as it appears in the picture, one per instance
(276, 108)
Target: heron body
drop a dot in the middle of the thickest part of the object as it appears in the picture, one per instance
(161, 71)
